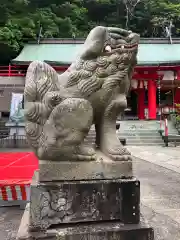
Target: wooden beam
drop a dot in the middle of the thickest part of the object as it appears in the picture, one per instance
(158, 68)
(148, 76)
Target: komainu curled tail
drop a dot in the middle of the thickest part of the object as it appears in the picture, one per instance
(55, 124)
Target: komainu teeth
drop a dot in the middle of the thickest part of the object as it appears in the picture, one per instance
(108, 48)
(122, 47)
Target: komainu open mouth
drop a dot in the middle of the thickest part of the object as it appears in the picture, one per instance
(121, 39)
(130, 46)
(108, 48)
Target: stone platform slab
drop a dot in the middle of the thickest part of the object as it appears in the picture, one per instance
(84, 201)
(86, 231)
(102, 168)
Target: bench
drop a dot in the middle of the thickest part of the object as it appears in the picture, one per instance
(122, 141)
(117, 126)
(4, 134)
(172, 138)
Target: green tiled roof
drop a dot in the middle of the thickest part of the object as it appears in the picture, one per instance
(65, 53)
(154, 54)
(57, 53)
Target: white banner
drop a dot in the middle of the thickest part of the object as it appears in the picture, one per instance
(15, 101)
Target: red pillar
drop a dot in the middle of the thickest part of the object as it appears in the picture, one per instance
(177, 96)
(9, 70)
(141, 99)
(151, 99)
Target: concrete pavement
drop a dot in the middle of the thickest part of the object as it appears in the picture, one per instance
(158, 169)
(10, 218)
(167, 157)
(160, 198)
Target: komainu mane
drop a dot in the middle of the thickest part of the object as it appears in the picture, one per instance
(60, 109)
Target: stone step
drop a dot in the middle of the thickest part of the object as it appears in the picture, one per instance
(144, 143)
(139, 130)
(136, 134)
(146, 126)
(145, 140)
(141, 133)
(134, 142)
(130, 136)
(133, 137)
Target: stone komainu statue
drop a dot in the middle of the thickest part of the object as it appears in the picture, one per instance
(60, 109)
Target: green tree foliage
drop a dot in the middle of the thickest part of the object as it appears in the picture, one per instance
(21, 20)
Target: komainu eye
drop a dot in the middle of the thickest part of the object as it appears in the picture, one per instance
(108, 48)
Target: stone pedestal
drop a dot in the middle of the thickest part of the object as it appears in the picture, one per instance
(84, 201)
(103, 168)
(92, 202)
(111, 230)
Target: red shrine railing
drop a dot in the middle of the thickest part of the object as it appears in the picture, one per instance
(12, 71)
(141, 72)
(20, 71)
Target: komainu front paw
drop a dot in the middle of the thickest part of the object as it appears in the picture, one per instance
(84, 153)
(122, 158)
(117, 152)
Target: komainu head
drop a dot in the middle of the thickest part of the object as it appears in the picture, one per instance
(107, 56)
(104, 41)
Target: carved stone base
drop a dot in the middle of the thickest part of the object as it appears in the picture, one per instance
(103, 168)
(95, 231)
(60, 202)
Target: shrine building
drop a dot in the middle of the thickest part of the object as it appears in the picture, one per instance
(155, 83)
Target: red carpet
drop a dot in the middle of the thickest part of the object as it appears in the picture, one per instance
(17, 168)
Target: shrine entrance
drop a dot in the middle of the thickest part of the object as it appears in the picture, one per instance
(132, 105)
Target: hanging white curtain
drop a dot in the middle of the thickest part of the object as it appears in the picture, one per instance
(15, 101)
